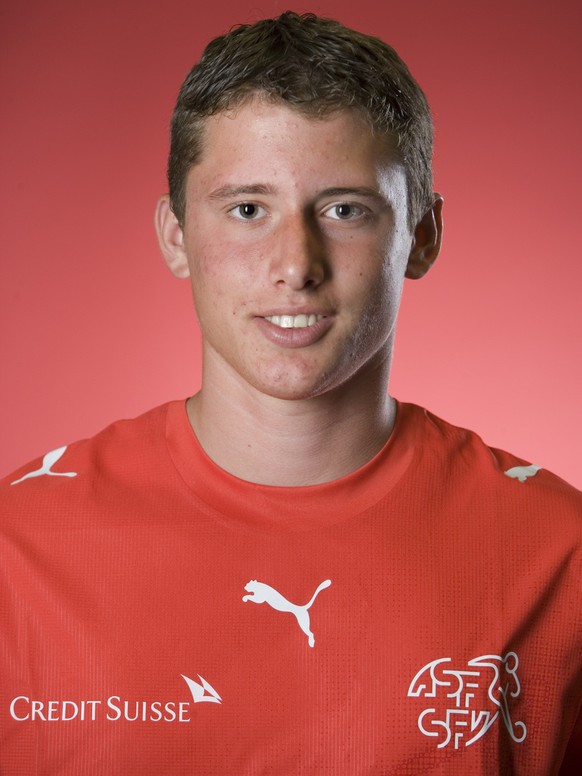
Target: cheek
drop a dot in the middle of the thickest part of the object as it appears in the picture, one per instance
(215, 257)
(380, 300)
(381, 277)
(222, 283)
(208, 271)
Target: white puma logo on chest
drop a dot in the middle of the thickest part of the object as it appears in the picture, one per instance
(260, 593)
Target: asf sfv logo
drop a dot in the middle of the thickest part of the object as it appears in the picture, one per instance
(114, 708)
(465, 701)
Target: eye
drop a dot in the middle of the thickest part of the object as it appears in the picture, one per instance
(344, 211)
(247, 211)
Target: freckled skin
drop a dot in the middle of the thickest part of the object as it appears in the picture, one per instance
(297, 251)
(292, 216)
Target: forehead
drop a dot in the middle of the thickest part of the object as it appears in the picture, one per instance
(262, 133)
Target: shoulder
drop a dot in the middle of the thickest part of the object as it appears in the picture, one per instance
(456, 459)
(126, 450)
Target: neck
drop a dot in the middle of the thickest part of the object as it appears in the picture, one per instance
(283, 442)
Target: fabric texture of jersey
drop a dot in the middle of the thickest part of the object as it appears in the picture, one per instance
(422, 615)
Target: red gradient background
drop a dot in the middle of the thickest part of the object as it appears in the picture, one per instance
(93, 327)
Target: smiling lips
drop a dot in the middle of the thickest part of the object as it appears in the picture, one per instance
(293, 321)
(295, 331)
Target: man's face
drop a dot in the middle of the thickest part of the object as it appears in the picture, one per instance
(296, 241)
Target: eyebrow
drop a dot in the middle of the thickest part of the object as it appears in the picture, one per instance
(227, 192)
(351, 191)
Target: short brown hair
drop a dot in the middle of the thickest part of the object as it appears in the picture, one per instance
(318, 66)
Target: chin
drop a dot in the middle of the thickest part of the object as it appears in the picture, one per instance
(298, 389)
(289, 392)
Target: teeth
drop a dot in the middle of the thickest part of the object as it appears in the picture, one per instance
(293, 321)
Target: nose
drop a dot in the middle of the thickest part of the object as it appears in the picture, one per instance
(298, 260)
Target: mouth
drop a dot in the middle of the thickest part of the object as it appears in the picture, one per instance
(295, 331)
(300, 321)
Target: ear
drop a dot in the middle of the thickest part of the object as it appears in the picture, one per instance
(426, 242)
(171, 238)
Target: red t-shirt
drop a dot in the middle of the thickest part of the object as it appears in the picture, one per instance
(422, 615)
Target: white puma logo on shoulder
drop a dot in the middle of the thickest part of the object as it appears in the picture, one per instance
(260, 593)
(47, 463)
(521, 473)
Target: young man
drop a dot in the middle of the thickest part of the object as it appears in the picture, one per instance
(416, 594)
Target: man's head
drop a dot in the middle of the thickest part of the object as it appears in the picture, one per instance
(318, 67)
(301, 197)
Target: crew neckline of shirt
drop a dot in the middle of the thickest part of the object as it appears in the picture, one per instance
(290, 507)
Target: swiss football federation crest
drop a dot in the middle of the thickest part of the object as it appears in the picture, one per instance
(465, 713)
